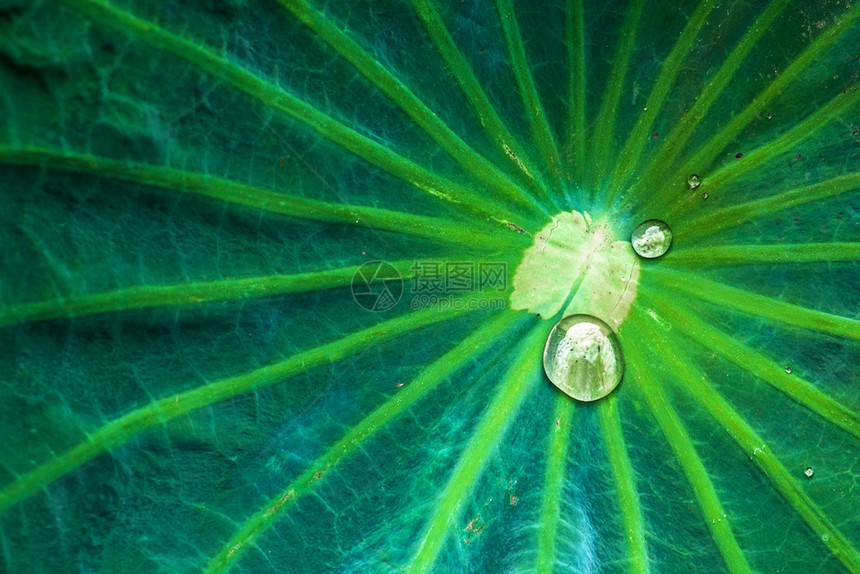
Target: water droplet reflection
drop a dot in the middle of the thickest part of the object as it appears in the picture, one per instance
(694, 180)
(809, 472)
(651, 238)
(583, 358)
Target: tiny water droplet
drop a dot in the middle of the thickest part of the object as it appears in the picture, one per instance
(583, 358)
(705, 195)
(651, 238)
(770, 116)
(809, 472)
(694, 180)
(788, 370)
(825, 537)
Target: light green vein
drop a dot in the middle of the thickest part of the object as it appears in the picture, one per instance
(273, 96)
(691, 464)
(576, 88)
(834, 110)
(191, 293)
(754, 304)
(755, 448)
(715, 144)
(770, 372)
(603, 150)
(472, 161)
(674, 143)
(631, 153)
(729, 217)
(553, 491)
(625, 481)
(722, 255)
(522, 376)
(257, 198)
(509, 146)
(121, 430)
(541, 131)
(431, 376)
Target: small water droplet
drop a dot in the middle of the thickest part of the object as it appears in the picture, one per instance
(825, 537)
(788, 370)
(583, 358)
(705, 195)
(809, 472)
(651, 238)
(770, 116)
(694, 180)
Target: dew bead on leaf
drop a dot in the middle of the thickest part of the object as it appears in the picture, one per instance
(583, 358)
(788, 370)
(694, 181)
(651, 238)
(809, 472)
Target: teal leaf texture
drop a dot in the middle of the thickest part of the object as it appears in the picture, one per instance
(274, 281)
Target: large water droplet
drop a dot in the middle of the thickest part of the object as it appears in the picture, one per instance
(651, 238)
(583, 358)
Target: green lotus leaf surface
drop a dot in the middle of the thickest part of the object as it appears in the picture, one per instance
(277, 276)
